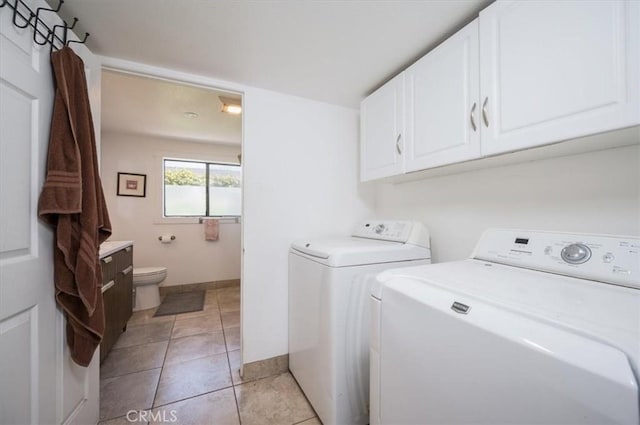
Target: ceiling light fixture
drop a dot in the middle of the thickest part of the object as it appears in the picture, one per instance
(191, 115)
(231, 106)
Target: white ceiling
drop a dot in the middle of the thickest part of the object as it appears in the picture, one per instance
(331, 51)
(152, 107)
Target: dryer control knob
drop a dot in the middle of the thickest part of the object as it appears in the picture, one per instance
(380, 228)
(576, 253)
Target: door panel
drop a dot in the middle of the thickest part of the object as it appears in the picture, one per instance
(381, 131)
(442, 88)
(38, 381)
(552, 71)
(27, 306)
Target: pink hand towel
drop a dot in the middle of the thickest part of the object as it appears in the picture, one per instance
(211, 227)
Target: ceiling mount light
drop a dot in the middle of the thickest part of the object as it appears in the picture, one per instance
(231, 106)
(190, 114)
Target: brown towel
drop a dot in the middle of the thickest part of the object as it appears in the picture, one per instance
(73, 203)
(211, 226)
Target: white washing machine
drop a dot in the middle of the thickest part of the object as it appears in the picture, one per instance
(536, 327)
(329, 312)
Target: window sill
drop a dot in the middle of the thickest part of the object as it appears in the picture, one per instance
(194, 220)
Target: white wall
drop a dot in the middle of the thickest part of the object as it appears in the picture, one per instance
(300, 179)
(596, 192)
(189, 259)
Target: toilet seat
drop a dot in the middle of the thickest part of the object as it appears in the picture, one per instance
(147, 271)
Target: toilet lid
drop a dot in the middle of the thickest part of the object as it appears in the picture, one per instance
(145, 271)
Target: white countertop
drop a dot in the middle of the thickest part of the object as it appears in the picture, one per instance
(109, 247)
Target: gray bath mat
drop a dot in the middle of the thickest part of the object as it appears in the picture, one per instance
(181, 302)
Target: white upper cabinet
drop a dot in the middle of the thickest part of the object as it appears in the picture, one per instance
(381, 131)
(557, 70)
(442, 111)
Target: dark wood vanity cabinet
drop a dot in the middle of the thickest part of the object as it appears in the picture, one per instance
(117, 287)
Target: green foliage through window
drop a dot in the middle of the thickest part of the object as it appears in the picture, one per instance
(187, 194)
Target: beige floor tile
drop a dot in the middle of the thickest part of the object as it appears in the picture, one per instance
(230, 319)
(144, 317)
(194, 347)
(217, 408)
(232, 338)
(134, 359)
(211, 296)
(195, 377)
(273, 400)
(196, 325)
(124, 421)
(207, 309)
(144, 334)
(312, 421)
(229, 299)
(134, 391)
(235, 362)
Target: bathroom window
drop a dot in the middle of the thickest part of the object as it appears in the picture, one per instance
(201, 189)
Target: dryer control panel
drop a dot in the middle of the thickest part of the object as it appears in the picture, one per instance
(612, 259)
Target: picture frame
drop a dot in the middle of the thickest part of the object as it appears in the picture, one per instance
(132, 184)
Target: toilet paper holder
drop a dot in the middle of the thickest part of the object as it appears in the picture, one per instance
(173, 238)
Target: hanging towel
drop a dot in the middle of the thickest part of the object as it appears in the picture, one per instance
(72, 202)
(211, 227)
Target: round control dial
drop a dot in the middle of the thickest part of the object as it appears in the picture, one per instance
(380, 228)
(576, 253)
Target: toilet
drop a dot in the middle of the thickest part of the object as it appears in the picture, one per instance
(146, 281)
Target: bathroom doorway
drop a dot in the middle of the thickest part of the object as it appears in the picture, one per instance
(186, 140)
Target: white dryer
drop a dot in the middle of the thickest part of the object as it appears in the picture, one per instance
(329, 312)
(536, 327)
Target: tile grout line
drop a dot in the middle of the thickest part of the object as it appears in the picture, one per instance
(233, 386)
(155, 394)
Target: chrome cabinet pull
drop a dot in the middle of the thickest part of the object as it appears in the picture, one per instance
(107, 260)
(472, 118)
(398, 148)
(127, 270)
(108, 285)
(484, 112)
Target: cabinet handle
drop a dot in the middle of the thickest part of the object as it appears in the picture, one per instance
(484, 112)
(127, 249)
(471, 116)
(108, 285)
(107, 260)
(398, 148)
(127, 270)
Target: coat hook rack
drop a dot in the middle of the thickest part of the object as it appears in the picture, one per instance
(24, 16)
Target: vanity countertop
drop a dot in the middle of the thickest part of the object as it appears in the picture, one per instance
(109, 247)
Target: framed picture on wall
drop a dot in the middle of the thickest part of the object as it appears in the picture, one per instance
(130, 184)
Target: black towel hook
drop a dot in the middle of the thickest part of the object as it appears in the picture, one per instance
(50, 33)
(16, 13)
(84, 40)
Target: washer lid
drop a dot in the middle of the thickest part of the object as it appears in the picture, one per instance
(604, 311)
(354, 251)
(145, 271)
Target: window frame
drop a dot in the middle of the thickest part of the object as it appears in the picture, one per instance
(207, 164)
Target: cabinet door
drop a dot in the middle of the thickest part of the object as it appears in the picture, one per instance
(381, 131)
(555, 70)
(442, 92)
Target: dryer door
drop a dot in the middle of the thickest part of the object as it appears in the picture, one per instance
(473, 362)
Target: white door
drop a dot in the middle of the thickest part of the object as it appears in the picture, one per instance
(555, 70)
(38, 383)
(381, 131)
(442, 92)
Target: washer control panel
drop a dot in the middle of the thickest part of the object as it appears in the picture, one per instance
(612, 259)
(412, 232)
